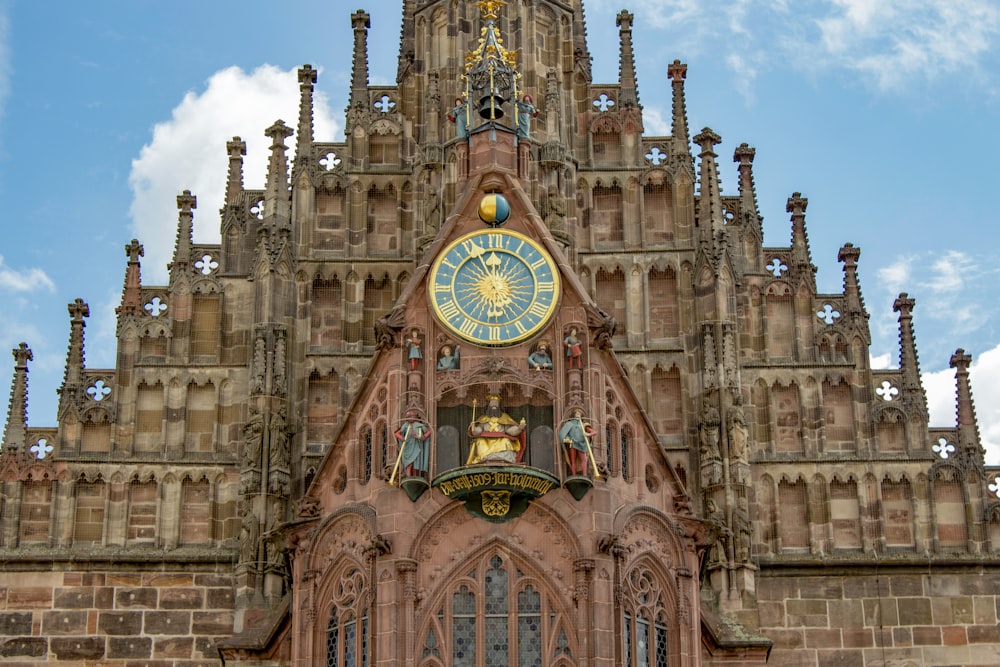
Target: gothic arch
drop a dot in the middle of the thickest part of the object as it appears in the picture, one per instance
(498, 579)
(538, 525)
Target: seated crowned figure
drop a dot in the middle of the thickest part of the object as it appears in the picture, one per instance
(495, 436)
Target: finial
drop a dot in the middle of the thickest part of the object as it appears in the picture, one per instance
(236, 149)
(490, 8)
(909, 364)
(186, 202)
(73, 376)
(131, 297)
(15, 433)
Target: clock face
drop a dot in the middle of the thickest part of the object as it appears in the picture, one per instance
(494, 287)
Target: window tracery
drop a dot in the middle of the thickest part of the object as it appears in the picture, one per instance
(347, 631)
(494, 616)
(645, 640)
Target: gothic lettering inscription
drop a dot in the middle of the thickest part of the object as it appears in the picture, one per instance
(470, 483)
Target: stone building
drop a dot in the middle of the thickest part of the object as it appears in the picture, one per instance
(496, 380)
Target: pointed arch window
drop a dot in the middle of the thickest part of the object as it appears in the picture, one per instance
(347, 632)
(645, 641)
(497, 615)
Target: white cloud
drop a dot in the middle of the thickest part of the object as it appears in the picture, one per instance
(896, 276)
(188, 152)
(655, 124)
(881, 361)
(26, 280)
(890, 43)
(941, 399)
(948, 285)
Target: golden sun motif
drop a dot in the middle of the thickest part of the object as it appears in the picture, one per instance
(494, 287)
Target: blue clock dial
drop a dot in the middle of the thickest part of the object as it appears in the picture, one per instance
(494, 287)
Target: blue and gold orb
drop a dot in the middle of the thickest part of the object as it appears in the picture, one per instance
(494, 210)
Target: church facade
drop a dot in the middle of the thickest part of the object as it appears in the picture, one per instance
(496, 380)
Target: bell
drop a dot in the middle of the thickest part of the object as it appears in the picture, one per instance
(491, 107)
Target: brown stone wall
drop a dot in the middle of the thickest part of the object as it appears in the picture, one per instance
(164, 618)
(904, 620)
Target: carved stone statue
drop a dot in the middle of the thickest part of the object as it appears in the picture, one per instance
(554, 210)
(249, 535)
(253, 436)
(279, 441)
(738, 436)
(709, 433)
(432, 209)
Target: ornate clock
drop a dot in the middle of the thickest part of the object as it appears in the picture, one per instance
(494, 287)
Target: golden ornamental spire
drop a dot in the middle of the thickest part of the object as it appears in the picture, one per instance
(489, 8)
(491, 74)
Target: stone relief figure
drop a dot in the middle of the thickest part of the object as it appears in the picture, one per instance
(709, 432)
(460, 117)
(432, 209)
(249, 535)
(717, 552)
(574, 349)
(413, 437)
(448, 359)
(279, 440)
(554, 210)
(743, 531)
(576, 437)
(540, 358)
(738, 436)
(525, 112)
(414, 349)
(253, 436)
(257, 384)
(495, 436)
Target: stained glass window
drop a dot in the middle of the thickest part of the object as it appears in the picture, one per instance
(366, 472)
(350, 643)
(642, 641)
(347, 635)
(628, 640)
(498, 616)
(464, 628)
(626, 465)
(661, 644)
(333, 642)
(529, 628)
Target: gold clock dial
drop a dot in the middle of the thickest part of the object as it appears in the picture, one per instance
(494, 287)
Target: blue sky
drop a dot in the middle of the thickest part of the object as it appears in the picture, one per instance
(884, 114)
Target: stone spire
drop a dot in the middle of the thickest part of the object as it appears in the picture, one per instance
(849, 255)
(276, 191)
(73, 377)
(710, 197)
(407, 37)
(909, 365)
(186, 203)
(237, 148)
(15, 434)
(801, 258)
(131, 292)
(677, 72)
(626, 61)
(358, 103)
(303, 147)
(968, 429)
(743, 156)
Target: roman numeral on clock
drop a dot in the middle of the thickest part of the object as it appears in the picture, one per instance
(449, 309)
